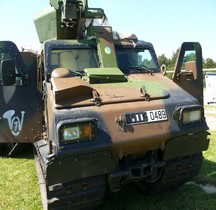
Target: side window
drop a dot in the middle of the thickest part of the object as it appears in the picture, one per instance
(3, 56)
(187, 66)
(189, 57)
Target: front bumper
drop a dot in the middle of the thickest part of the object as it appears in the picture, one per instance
(186, 145)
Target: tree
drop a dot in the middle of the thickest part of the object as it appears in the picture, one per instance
(173, 59)
(209, 63)
(162, 59)
(191, 56)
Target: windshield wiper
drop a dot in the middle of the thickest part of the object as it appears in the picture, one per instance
(141, 69)
(77, 73)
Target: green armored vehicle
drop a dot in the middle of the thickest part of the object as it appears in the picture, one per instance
(99, 110)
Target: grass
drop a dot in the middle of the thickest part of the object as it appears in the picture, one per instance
(19, 184)
(19, 189)
(210, 110)
(188, 197)
(208, 171)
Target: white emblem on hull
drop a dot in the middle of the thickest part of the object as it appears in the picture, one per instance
(15, 123)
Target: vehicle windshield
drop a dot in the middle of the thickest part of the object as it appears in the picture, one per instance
(132, 60)
(75, 60)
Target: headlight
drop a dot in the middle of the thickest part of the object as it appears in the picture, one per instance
(189, 114)
(77, 132)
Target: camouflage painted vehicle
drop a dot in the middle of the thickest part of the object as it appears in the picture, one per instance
(99, 109)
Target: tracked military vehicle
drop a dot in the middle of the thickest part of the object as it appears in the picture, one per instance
(99, 110)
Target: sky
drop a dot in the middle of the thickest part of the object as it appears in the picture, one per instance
(164, 23)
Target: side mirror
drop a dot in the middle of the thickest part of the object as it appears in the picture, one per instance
(8, 72)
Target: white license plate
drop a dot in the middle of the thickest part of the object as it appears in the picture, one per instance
(146, 116)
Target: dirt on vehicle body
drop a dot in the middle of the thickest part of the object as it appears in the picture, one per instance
(104, 114)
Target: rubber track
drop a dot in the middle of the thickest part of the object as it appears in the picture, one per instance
(177, 172)
(86, 194)
(83, 194)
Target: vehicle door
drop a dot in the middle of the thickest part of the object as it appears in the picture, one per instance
(20, 101)
(188, 69)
